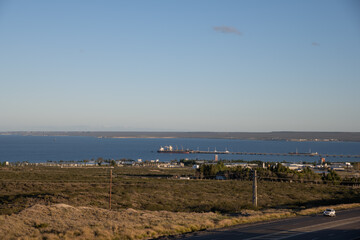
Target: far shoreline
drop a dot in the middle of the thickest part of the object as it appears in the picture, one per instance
(269, 136)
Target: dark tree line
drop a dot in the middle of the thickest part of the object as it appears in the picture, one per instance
(274, 172)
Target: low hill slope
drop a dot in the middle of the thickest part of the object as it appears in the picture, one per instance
(61, 221)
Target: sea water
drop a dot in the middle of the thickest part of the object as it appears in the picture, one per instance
(15, 148)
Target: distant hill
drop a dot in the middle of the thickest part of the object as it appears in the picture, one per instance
(285, 136)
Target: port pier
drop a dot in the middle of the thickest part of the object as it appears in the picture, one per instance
(188, 151)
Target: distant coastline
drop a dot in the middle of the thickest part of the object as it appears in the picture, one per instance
(269, 136)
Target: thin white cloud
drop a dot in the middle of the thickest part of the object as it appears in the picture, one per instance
(227, 29)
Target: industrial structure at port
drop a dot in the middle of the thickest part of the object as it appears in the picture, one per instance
(170, 149)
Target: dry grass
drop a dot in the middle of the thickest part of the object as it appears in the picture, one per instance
(62, 221)
(151, 189)
(318, 210)
(146, 203)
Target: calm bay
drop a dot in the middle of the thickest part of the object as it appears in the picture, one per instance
(15, 148)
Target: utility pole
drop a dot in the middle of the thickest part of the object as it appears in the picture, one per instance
(254, 189)
(110, 189)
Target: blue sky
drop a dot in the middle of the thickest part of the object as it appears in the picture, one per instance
(180, 65)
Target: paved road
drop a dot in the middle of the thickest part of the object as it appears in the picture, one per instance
(346, 225)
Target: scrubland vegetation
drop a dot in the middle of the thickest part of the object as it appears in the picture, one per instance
(182, 205)
(277, 172)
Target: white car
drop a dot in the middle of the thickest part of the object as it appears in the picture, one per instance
(329, 212)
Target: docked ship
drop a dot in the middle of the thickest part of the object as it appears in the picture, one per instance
(170, 149)
(304, 153)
